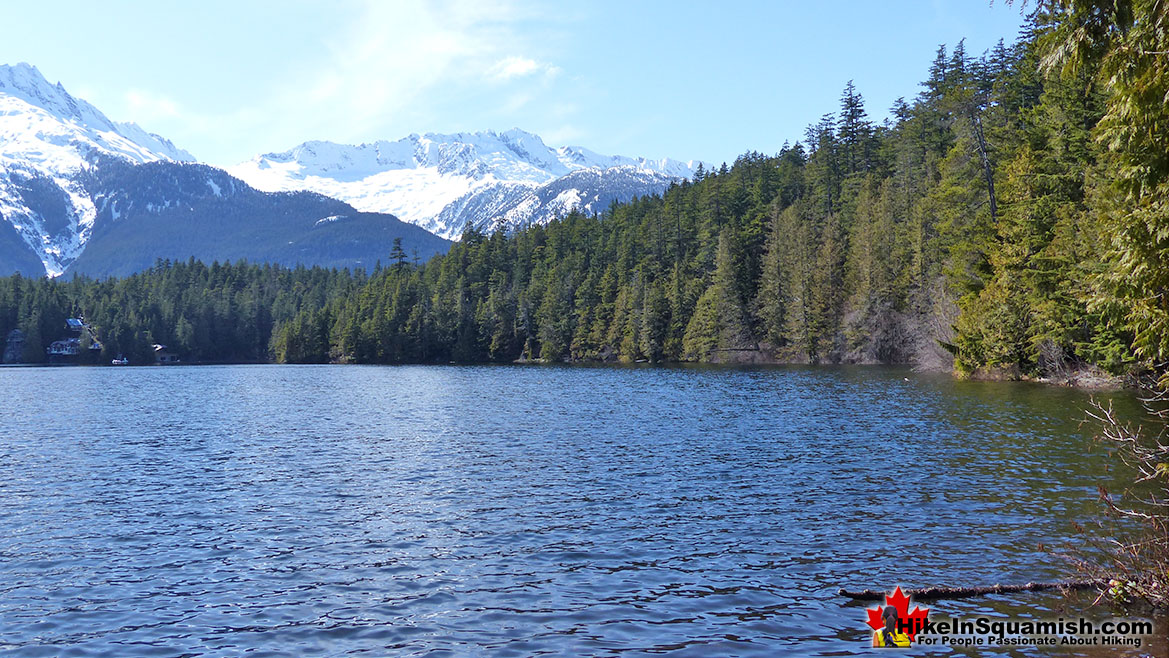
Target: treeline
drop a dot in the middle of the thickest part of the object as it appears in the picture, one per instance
(216, 313)
(1013, 216)
(976, 224)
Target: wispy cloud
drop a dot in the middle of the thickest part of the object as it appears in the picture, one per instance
(391, 68)
(512, 67)
(398, 60)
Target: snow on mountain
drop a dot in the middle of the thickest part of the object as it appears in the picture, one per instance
(587, 190)
(48, 141)
(447, 182)
(180, 210)
(57, 151)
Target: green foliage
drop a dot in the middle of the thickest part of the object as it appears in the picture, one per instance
(1018, 220)
(843, 250)
(223, 313)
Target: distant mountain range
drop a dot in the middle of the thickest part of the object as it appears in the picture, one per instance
(446, 183)
(81, 193)
(178, 210)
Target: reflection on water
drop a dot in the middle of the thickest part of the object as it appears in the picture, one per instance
(517, 511)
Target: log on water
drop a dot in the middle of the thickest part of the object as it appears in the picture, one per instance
(928, 593)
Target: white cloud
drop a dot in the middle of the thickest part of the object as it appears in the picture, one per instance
(398, 60)
(519, 67)
(392, 68)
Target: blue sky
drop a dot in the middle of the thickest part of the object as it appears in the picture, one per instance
(689, 80)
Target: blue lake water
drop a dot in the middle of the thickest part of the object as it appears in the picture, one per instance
(517, 511)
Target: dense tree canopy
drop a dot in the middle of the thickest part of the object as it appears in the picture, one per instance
(203, 313)
(1010, 217)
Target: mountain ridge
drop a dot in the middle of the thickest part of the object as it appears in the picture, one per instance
(48, 141)
(172, 211)
(448, 182)
(25, 82)
(80, 193)
(53, 146)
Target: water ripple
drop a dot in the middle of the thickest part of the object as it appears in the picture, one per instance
(513, 511)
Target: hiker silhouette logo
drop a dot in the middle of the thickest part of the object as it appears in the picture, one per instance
(893, 624)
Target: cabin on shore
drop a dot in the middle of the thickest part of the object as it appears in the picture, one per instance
(68, 350)
(65, 347)
(163, 356)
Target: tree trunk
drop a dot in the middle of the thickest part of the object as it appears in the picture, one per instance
(927, 593)
(987, 169)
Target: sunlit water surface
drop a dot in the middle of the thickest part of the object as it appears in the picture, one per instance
(515, 511)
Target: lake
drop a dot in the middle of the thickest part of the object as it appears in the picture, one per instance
(521, 510)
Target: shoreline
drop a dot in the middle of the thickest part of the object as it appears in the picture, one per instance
(1083, 378)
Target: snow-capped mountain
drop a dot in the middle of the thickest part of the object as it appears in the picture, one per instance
(81, 193)
(178, 210)
(48, 140)
(445, 183)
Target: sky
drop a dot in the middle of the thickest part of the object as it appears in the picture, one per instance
(228, 80)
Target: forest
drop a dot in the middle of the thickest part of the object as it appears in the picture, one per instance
(1012, 220)
(215, 313)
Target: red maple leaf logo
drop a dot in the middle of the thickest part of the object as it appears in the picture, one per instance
(908, 622)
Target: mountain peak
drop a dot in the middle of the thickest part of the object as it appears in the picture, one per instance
(520, 134)
(48, 141)
(445, 181)
(25, 83)
(22, 70)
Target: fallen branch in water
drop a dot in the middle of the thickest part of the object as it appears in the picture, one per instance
(928, 593)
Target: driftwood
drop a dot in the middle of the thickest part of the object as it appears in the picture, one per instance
(928, 593)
